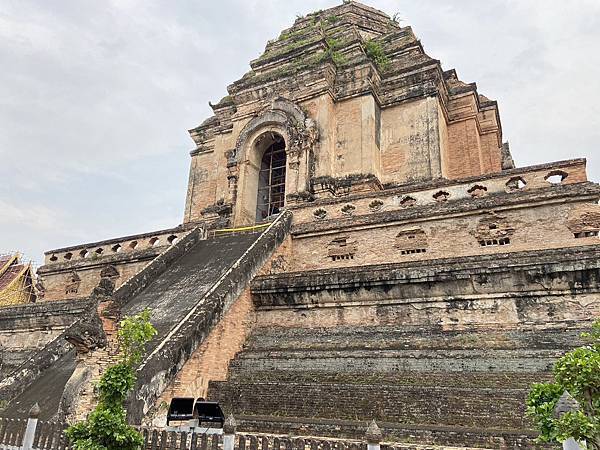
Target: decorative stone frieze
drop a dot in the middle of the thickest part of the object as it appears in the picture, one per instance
(411, 240)
(376, 205)
(584, 221)
(477, 191)
(348, 209)
(493, 229)
(341, 248)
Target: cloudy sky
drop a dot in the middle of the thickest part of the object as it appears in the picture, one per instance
(96, 95)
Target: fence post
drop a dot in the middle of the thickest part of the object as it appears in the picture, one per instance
(32, 422)
(373, 436)
(229, 433)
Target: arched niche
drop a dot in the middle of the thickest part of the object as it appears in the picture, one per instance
(286, 121)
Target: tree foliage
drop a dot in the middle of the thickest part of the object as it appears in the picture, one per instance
(578, 373)
(106, 427)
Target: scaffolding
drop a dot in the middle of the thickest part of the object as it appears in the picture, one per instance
(271, 181)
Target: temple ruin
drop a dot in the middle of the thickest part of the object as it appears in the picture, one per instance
(357, 244)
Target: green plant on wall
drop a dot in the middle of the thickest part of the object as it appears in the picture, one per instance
(106, 427)
(375, 52)
(578, 373)
(333, 45)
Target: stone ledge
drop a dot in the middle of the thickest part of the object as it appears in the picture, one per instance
(405, 337)
(179, 228)
(443, 182)
(36, 309)
(403, 404)
(42, 315)
(518, 380)
(548, 261)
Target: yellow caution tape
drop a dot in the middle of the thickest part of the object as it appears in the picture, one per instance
(233, 230)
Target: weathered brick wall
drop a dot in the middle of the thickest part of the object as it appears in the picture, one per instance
(462, 219)
(355, 149)
(447, 235)
(464, 147)
(322, 109)
(57, 281)
(490, 289)
(410, 146)
(462, 406)
(443, 351)
(210, 362)
(434, 384)
(497, 189)
(490, 153)
(427, 383)
(203, 180)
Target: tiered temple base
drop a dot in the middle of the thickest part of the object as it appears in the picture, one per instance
(421, 384)
(437, 352)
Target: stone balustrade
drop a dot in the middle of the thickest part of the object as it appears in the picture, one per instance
(124, 245)
(331, 206)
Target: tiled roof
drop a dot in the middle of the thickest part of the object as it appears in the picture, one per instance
(4, 259)
(10, 275)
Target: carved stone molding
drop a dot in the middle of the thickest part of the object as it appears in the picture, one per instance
(493, 226)
(411, 240)
(301, 132)
(584, 219)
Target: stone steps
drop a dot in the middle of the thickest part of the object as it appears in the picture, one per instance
(414, 338)
(451, 406)
(508, 380)
(430, 385)
(388, 361)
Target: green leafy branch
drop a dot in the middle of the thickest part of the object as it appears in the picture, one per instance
(578, 373)
(106, 427)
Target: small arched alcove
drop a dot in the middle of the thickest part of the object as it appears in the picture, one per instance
(270, 197)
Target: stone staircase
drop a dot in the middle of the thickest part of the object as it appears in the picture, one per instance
(187, 289)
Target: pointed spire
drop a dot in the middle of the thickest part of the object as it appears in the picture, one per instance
(373, 434)
(34, 412)
(566, 403)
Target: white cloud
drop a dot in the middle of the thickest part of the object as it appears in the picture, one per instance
(37, 217)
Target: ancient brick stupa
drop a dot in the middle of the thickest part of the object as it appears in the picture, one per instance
(388, 261)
